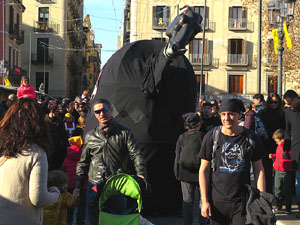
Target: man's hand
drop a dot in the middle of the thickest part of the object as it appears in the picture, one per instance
(76, 195)
(141, 176)
(205, 210)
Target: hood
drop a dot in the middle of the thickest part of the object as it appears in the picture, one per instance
(74, 153)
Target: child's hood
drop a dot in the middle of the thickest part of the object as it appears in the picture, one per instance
(74, 153)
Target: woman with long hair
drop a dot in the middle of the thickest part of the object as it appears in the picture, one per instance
(24, 145)
(273, 118)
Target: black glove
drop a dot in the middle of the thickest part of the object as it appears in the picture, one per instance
(181, 31)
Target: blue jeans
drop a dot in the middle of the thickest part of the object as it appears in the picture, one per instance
(297, 179)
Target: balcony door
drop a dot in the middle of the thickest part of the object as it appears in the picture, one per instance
(42, 48)
(236, 83)
(43, 15)
(196, 51)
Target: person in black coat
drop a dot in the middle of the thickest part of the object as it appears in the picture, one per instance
(58, 136)
(273, 118)
(185, 169)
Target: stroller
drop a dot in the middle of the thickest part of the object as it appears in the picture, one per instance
(122, 188)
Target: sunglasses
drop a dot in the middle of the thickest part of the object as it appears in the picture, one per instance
(104, 110)
(273, 102)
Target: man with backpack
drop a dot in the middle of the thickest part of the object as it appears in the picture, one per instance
(187, 165)
(226, 155)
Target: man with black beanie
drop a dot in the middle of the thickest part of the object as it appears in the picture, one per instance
(292, 136)
(225, 167)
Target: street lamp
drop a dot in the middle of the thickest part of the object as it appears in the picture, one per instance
(282, 8)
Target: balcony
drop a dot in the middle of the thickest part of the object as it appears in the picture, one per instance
(47, 26)
(39, 59)
(237, 60)
(127, 24)
(16, 34)
(236, 24)
(47, 1)
(196, 59)
(209, 26)
(160, 23)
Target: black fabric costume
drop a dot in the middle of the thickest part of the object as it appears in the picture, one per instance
(149, 93)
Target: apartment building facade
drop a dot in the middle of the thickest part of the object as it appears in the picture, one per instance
(52, 53)
(230, 43)
(91, 58)
(11, 40)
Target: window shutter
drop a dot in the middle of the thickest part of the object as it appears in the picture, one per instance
(154, 19)
(244, 47)
(229, 46)
(230, 12)
(244, 13)
(168, 15)
(207, 13)
(206, 46)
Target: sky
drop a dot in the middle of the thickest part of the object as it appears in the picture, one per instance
(106, 19)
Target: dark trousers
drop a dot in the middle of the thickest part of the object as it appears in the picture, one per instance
(268, 167)
(226, 213)
(188, 197)
(282, 188)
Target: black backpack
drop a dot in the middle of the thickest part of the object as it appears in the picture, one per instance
(189, 159)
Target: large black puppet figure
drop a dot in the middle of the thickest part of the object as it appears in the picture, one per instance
(150, 85)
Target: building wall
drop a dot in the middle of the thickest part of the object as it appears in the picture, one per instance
(57, 69)
(217, 72)
(64, 64)
(11, 37)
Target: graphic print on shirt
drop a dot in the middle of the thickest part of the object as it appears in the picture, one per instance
(232, 156)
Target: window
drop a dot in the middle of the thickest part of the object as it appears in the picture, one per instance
(43, 14)
(237, 17)
(11, 19)
(273, 17)
(198, 83)
(236, 83)
(9, 57)
(272, 84)
(161, 17)
(39, 78)
(200, 10)
(196, 51)
(42, 48)
(237, 52)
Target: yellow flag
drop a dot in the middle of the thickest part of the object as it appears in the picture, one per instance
(287, 36)
(275, 39)
(6, 81)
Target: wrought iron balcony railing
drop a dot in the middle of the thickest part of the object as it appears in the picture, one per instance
(237, 60)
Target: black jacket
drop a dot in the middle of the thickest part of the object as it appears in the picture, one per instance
(259, 207)
(292, 134)
(102, 155)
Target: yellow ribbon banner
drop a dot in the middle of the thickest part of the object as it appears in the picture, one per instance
(287, 36)
(275, 39)
(6, 81)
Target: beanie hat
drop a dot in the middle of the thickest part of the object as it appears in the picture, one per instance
(68, 115)
(232, 105)
(191, 119)
(76, 140)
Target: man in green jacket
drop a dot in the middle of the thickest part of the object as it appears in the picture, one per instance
(105, 152)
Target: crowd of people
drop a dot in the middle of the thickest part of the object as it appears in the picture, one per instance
(47, 168)
(271, 128)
